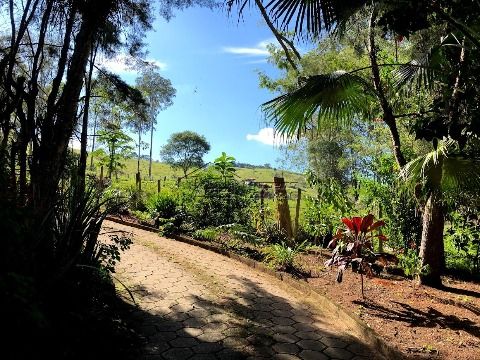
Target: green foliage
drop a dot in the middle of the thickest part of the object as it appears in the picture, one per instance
(411, 263)
(212, 201)
(210, 234)
(240, 232)
(404, 224)
(135, 198)
(142, 216)
(185, 150)
(109, 253)
(156, 90)
(323, 212)
(462, 242)
(118, 146)
(163, 205)
(173, 225)
(282, 257)
(225, 165)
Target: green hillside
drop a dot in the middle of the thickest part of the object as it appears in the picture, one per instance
(163, 172)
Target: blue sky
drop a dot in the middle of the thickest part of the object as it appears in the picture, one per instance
(211, 59)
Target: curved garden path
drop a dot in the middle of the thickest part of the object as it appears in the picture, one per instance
(196, 304)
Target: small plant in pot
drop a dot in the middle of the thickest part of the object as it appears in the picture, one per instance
(353, 246)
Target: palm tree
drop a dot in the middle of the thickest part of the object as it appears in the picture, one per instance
(336, 99)
(439, 172)
(311, 18)
(340, 96)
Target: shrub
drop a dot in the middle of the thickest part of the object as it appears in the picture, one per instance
(209, 234)
(282, 257)
(353, 247)
(411, 264)
(173, 225)
(273, 234)
(213, 201)
(462, 242)
(323, 211)
(163, 205)
(142, 216)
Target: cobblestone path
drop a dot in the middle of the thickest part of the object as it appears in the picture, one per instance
(196, 304)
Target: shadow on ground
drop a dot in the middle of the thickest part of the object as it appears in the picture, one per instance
(251, 323)
(419, 318)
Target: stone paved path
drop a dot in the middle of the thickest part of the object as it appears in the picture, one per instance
(195, 304)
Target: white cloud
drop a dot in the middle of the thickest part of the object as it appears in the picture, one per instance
(258, 50)
(123, 64)
(267, 136)
(246, 51)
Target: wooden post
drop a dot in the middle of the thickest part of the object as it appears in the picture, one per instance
(297, 210)
(262, 206)
(138, 180)
(283, 211)
(158, 186)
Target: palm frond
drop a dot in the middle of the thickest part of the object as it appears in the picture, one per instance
(311, 17)
(308, 18)
(419, 73)
(426, 70)
(332, 98)
(460, 174)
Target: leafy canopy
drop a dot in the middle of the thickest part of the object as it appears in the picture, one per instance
(185, 150)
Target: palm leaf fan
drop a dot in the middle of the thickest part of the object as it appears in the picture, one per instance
(332, 99)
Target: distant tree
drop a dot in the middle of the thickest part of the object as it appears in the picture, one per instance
(118, 146)
(185, 150)
(158, 93)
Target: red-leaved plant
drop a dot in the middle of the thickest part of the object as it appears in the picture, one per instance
(354, 246)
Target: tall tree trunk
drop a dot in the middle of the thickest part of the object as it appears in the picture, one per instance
(138, 157)
(61, 116)
(82, 165)
(388, 116)
(93, 141)
(151, 149)
(432, 247)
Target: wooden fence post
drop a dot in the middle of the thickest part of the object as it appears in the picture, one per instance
(138, 180)
(284, 219)
(297, 210)
(262, 206)
(158, 186)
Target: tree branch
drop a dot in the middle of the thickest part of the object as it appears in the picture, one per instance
(280, 38)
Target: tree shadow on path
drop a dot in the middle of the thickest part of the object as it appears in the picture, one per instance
(250, 322)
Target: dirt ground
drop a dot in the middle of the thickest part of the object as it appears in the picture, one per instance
(424, 323)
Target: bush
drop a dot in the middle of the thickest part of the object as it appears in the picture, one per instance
(273, 234)
(462, 242)
(214, 201)
(135, 198)
(142, 216)
(411, 264)
(209, 234)
(282, 257)
(163, 205)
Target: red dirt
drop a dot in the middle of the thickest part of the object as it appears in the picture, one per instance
(424, 323)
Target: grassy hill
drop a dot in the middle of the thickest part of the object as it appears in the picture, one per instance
(164, 172)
